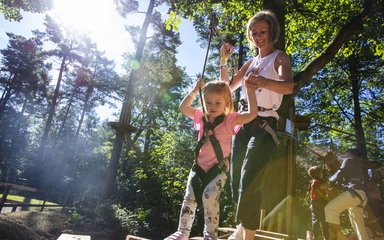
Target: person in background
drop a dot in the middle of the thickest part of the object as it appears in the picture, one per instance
(352, 176)
(318, 199)
(208, 175)
(254, 145)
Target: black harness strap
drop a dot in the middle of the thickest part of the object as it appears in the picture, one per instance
(206, 137)
(356, 194)
(201, 179)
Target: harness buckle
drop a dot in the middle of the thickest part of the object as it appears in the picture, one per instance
(264, 125)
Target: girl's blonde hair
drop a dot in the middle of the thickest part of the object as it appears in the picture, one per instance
(270, 18)
(220, 87)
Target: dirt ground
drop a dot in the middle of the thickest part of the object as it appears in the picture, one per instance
(49, 226)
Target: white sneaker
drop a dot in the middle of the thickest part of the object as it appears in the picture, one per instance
(237, 234)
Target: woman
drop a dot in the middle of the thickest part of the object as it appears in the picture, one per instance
(270, 72)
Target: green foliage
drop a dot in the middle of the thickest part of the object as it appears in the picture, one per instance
(125, 7)
(173, 21)
(126, 218)
(11, 9)
(378, 48)
(311, 26)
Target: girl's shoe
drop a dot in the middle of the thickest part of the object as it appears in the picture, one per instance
(177, 236)
(209, 236)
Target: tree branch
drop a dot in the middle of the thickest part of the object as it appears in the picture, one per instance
(350, 29)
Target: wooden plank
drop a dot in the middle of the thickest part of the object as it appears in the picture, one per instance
(19, 187)
(260, 234)
(65, 236)
(270, 233)
(257, 236)
(131, 237)
(17, 204)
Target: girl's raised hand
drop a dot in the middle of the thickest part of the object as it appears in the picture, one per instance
(199, 84)
(250, 81)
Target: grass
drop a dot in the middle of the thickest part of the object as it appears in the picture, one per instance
(21, 199)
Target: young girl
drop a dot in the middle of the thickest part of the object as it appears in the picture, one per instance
(219, 112)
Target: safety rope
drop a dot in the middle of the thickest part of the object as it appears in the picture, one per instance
(214, 31)
(211, 32)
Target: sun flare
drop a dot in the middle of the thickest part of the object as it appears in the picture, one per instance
(83, 15)
(98, 19)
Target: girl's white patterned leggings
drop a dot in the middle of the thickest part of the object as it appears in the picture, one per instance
(211, 205)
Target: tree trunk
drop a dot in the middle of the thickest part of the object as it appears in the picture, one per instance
(68, 108)
(4, 100)
(358, 125)
(51, 111)
(125, 115)
(7, 93)
(40, 166)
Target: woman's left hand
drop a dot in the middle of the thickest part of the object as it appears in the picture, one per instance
(255, 81)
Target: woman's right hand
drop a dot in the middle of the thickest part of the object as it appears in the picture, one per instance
(226, 50)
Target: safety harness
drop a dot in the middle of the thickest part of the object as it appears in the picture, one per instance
(264, 123)
(201, 179)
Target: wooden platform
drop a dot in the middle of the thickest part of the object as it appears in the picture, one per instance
(65, 236)
(260, 234)
(225, 232)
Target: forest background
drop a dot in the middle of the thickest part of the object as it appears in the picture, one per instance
(134, 169)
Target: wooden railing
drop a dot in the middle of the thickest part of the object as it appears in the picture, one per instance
(4, 202)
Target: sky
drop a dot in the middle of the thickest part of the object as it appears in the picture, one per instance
(105, 27)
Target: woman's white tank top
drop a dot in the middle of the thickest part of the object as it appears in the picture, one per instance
(265, 98)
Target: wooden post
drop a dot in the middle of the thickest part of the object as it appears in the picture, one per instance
(290, 178)
(262, 215)
(4, 197)
(309, 235)
(45, 201)
(65, 200)
(295, 221)
(279, 222)
(271, 222)
(42, 206)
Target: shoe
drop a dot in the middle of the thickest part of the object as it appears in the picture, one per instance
(177, 236)
(209, 236)
(237, 234)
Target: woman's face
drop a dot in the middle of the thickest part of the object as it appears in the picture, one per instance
(260, 34)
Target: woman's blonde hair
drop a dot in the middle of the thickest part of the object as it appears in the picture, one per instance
(270, 18)
(220, 87)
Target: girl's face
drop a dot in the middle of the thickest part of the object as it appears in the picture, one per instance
(215, 104)
(260, 34)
